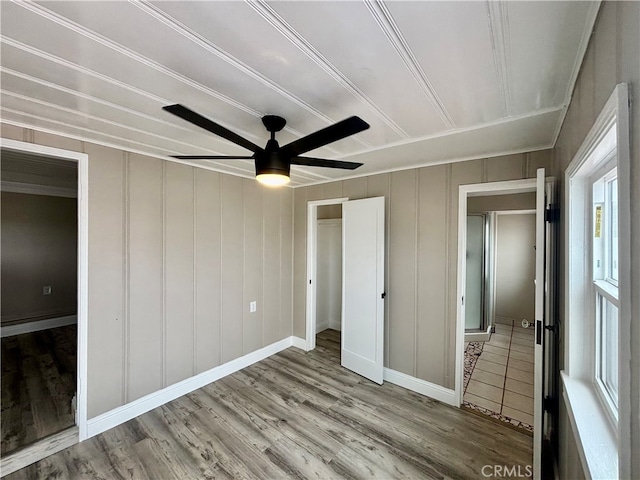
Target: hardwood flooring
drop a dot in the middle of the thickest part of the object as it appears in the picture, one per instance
(293, 415)
(38, 383)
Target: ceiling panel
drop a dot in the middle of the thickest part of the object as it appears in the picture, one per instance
(370, 62)
(455, 53)
(437, 81)
(541, 75)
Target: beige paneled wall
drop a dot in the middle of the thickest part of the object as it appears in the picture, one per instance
(175, 256)
(421, 254)
(613, 56)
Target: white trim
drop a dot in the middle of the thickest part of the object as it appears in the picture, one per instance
(479, 336)
(515, 212)
(142, 405)
(431, 390)
(28, 327)
(35, 452)
(35, 189)
(82, 160)
(465, 191)
(579, 356)
(312, 252)
(298, 342)
(591, 429)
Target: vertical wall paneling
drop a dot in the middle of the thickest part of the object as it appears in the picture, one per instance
(56, 141)
(286, 262)
(179, 275)
(421, 241)
(431, 263)
(126, 284)
(504, 168)
(300, 262)
(232, 229)
(146, 276)
(252, 265)
(106, 280)
(271, 261)
(536, 160)
(611, 58)
(354, 188)
(461, 174)
(207, 269)
(401, 295)
(12, 132)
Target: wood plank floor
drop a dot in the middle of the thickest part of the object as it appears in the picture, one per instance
(38, 383)
(293, 415)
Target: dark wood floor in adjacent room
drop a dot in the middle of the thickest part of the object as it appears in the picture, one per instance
(297, 415)
(38, 383)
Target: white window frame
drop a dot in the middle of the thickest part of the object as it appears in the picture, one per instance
(603, 287)
(605, 451)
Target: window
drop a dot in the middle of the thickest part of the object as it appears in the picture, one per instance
(604, 298)
(596, 215)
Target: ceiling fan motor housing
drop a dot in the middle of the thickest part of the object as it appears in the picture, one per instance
(270, 161)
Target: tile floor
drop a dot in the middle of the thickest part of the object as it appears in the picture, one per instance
(500, 381)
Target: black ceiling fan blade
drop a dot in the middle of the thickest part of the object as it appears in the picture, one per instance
(210, 126)
(330, 134)
(210, 157)
(322, 162)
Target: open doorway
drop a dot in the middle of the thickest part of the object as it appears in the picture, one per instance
(499, 313)
(361, 335)
(39, 297)
(329, 281)
(545, 328)
(44, 301)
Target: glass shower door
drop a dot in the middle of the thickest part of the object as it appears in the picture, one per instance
(474, 288)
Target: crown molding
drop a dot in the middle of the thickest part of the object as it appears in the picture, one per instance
(498, 17)
(299, 175)
(447, 133)
(497, 153)
(387, 24)
(287, 31)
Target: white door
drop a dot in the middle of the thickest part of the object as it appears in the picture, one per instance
(538, 392)
(363, 287)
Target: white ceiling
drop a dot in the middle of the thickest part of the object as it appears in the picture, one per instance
(437, 81)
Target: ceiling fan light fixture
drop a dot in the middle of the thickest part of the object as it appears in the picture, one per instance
(273, 179)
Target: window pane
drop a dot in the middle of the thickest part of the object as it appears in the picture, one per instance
(613, 234)
(608, 347)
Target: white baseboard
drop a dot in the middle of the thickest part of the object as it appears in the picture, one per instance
(335, 325)
(321, 327)
(422, 387)
(142, 405)
(298, 342)
(38, 325)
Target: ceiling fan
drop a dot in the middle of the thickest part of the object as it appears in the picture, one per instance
(273, 162)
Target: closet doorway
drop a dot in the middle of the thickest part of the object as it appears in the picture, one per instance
(329, 280)
(44, 301)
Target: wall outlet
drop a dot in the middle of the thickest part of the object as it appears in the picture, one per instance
(253, 307)
(46, 290)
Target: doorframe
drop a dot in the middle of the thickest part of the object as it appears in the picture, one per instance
(82, 159)
(466, 191)
(312, 257)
